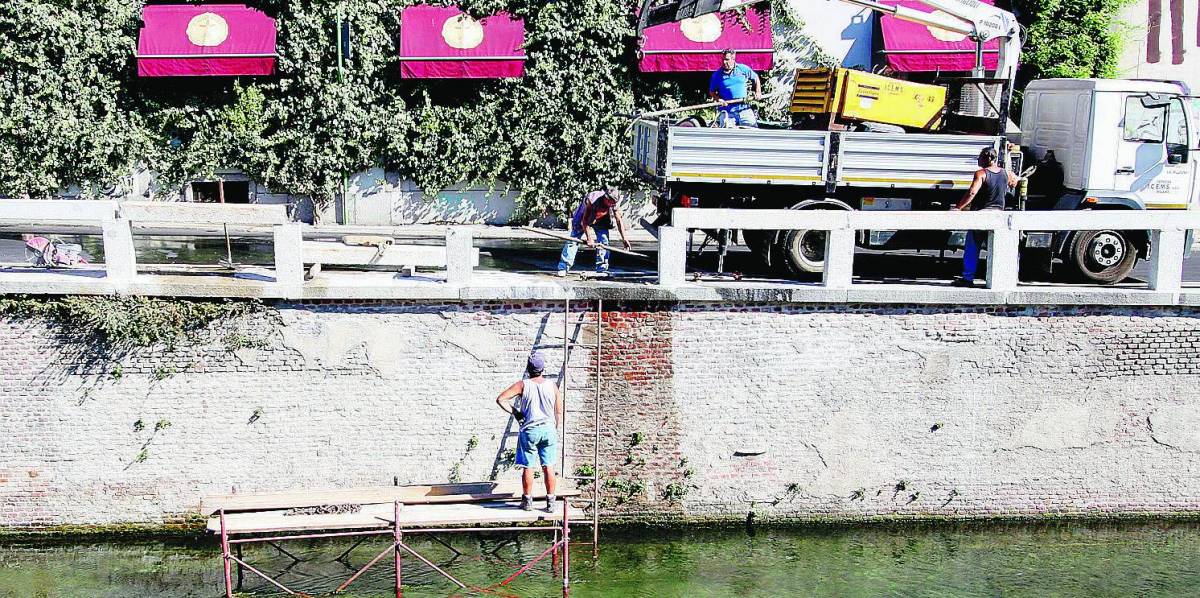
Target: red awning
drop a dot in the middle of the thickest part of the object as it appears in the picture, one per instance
(696, 44)
(913, 47)
(445, 43)
(186, 40)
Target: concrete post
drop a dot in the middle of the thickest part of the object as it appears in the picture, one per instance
(289, 261)
(459, 256)
(672, 256)
(1166, 260)
(1004, 259)
(120, 261)
(839, 258)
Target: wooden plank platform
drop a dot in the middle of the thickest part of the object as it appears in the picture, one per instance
(409, 495)
(379, 516)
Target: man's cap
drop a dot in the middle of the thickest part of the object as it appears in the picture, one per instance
(537, 363)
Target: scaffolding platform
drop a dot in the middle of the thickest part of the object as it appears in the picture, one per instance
(385, 510)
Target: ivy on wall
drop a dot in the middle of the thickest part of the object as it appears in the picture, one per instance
(77, 112)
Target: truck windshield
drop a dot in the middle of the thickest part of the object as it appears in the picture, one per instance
(1144, 124)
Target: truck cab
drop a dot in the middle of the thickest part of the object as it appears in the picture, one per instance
(1110, 144)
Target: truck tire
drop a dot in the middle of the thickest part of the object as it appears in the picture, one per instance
(803, 251)
(1102, 256)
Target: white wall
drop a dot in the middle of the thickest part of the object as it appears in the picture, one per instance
(1179, 56)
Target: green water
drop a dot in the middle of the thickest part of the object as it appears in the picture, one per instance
(1067, 560)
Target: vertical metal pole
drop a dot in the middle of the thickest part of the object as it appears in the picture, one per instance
(566, 541)
(562, 458)
(596, 435)
(340, 54)
(225, 557)
(396, 539)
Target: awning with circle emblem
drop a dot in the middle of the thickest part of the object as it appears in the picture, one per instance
(914, 48)
(197, 40)
(444, 43)
(695, 44)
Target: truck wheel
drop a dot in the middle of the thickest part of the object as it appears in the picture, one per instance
(803, 251)
(1102, 256)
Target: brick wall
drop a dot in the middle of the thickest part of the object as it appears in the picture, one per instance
(714, 411)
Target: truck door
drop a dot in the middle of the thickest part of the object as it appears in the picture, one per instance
(1153, 163)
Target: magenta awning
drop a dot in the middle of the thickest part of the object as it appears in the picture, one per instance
(199, 40)
(913, 47)
(696, 44)
(445, 43)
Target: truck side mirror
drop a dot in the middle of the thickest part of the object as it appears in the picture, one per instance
(1177, 154)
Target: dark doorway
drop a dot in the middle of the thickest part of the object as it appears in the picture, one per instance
(210, 191)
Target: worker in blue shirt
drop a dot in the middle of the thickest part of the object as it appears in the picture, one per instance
(728, 86)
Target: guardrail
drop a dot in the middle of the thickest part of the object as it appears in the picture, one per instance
(116, 220)
(1167, 229)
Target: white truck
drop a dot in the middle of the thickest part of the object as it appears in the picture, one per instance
(1097, 144)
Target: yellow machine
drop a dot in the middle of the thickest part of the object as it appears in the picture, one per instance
(823, 98)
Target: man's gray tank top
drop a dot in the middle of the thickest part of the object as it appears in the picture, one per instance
(537, 403)
(995, 187)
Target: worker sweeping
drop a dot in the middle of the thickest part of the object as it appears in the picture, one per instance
(591, 223)
(537, 404)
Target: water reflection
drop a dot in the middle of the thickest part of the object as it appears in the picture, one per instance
(1063, 560)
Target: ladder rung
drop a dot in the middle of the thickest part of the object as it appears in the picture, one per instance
(590, 478)
(581, 499)
(580, 433)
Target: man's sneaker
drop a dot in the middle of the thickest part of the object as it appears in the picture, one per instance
(550, 503)
(561, 273)
(962, 282)
(526, 503)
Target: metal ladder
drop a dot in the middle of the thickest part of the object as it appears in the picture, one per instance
(573, 325)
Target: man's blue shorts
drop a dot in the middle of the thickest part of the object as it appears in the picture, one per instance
(540, 441)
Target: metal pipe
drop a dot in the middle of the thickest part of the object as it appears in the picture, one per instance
(398, 537)
(566, 523)
(307, 536)
(358, 573)
(430, 563)
(596, 435)
(225, 556)
(263, 575)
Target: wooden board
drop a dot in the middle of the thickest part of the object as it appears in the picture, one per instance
(437, 493)
(380, 517)
(185, 213)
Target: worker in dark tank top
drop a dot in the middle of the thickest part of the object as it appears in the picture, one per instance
(987, 192)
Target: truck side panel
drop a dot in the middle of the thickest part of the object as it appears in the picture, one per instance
(906, 161)
(747, 156)
(1060, 121)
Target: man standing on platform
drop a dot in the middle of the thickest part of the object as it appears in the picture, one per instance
(537, 404)
(730, 86)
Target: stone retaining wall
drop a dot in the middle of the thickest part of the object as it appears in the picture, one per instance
(715, 411)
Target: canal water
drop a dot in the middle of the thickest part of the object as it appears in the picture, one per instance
(1161, 559)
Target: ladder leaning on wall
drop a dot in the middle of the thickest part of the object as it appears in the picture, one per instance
(573, 325)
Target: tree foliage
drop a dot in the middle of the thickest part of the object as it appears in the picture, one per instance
(76, 113)
(1069, 38)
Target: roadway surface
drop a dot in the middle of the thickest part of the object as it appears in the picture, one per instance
(519, 253)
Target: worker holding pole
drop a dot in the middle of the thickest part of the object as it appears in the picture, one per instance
(591, 223)
(730, 87)
(537, 404)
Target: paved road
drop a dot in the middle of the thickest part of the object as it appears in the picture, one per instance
(538, 255)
